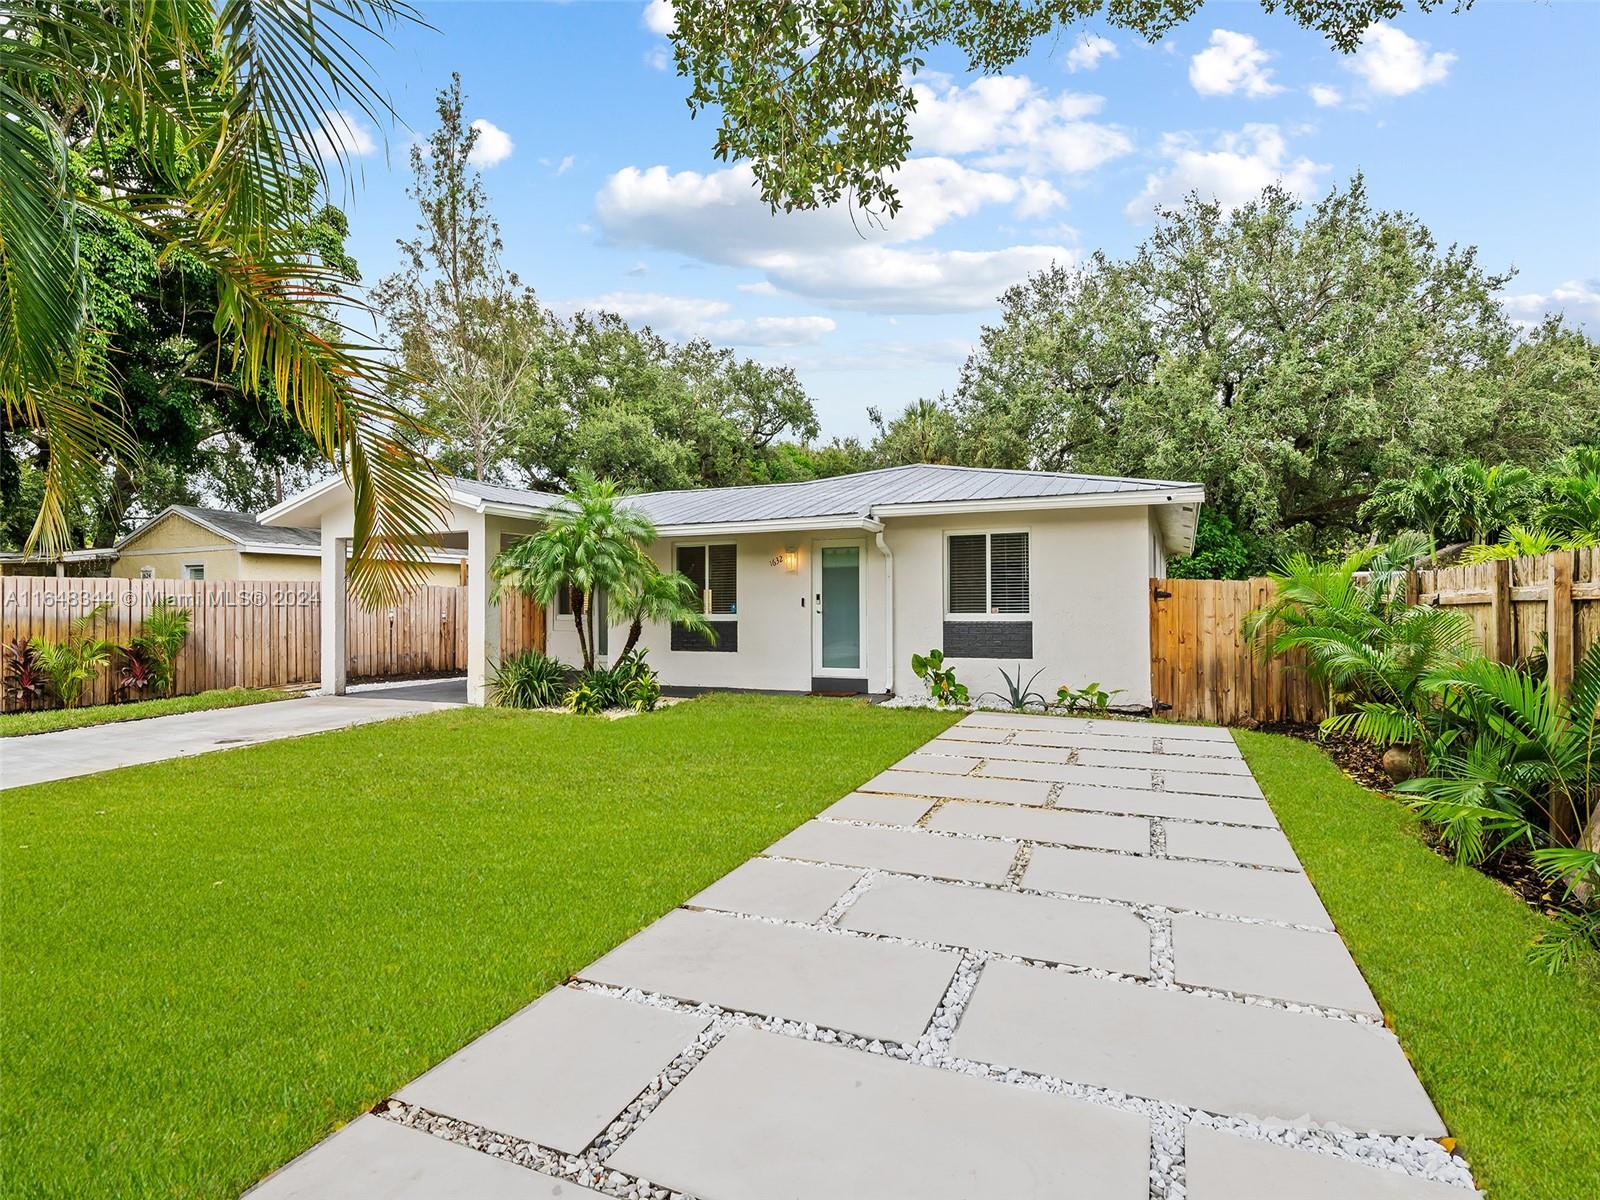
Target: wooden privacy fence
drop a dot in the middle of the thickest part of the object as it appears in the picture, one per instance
(1202, 669)
(262, 633)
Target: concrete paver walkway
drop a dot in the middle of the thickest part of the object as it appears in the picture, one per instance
(41, 757)
(1041, 957)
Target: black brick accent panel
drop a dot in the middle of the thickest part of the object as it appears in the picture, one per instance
(988, 639)
(688, 639)
(834, 685)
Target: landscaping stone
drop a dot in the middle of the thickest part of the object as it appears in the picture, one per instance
(1264, 847)
(1233, 809)
(1268, 960)
(1116, 777)
(374, 1159)
(908, 850)
(1213, 765)
(1038, 927)
(879, 809)
(1221, 1166)
(1202, 887)
(789, 891)
(873, 988)
(767, 1117)
(1210, 1053)
(1007, 752)
(1199, 784)
(602, 1051)
(938, 764)
(1045, 825)
(959, 787)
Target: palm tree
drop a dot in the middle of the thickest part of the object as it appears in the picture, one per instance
(226, 103)
(1574, 506)
(1459, 502)
(662, 597)
(594, 542)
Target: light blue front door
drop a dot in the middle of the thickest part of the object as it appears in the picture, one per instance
(838, 601)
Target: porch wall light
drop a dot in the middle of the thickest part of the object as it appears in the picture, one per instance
(791, 559)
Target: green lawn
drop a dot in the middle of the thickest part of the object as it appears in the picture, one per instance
(210, 963)
(51, 719)
(1510, 1054)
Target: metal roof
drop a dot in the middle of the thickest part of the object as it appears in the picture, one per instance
(858, 495)
(498, 493)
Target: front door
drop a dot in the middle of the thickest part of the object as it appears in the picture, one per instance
(838, 609)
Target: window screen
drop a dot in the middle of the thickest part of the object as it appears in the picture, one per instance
(722, 579)
(692, 562)
(1008, 572)
(968, 565)
(988, 574)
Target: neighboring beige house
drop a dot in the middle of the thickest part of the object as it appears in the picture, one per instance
(184, 541)
(831, 585)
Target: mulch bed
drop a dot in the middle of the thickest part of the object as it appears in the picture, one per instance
(1363, 762)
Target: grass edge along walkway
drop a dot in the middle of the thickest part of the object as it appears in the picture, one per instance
(1509, 1053)
(210, 963)
(53, 720)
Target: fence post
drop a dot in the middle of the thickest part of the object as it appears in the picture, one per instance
(1502, 647)
(1559, 625)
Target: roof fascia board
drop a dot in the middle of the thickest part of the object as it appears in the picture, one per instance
(1140, 499)
(278, 512)
(778, 525)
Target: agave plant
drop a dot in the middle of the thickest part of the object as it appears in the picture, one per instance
(1530, 774)
(71, 665)
(1019, 695)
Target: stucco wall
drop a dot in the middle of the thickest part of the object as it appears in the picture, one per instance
(1088, 582)
(1089, 572)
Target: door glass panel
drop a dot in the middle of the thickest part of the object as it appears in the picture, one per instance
(841, 607)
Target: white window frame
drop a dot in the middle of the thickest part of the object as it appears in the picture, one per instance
(705, 610)
(988, 575)
(199, 566)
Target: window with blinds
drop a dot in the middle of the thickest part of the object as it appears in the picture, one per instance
(988, 574)
(714, 571)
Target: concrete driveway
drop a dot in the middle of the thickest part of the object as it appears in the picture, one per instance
(1040, 957)
(42, 757)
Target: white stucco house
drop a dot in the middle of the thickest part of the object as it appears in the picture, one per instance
(832, 584)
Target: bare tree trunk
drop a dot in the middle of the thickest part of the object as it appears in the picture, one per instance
(634, 630)
(583, 641)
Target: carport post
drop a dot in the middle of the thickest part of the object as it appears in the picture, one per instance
(483, 614)
(335, 551)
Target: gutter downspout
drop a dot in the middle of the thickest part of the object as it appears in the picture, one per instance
(888, 607)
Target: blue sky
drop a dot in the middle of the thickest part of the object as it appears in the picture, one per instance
(1481, 123)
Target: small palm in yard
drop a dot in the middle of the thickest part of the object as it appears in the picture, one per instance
(594, 542)
(72, 664)
(1530, 776)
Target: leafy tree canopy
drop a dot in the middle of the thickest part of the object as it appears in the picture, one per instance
(1288, 356)
(816, 93)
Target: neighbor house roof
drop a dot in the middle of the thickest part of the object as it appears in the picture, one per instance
(242, 529)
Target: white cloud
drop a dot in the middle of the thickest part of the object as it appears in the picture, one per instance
(1233, 62)
(494, 145)
(883, 355)
(1011, 122)
(1325, 95)
(1393, 63)
(565, 164)
(1577, 299)
(659, 17)
(761, 287)
(887, 279)
(342, 134)
(1232, 171)
(693, 316)
(1086, 55)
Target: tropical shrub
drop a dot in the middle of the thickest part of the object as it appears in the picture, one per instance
(1528, 772)
(26, 685)
(136, 673)
(589, 696)
(529, 679)
(1019, 695)
(160, 639)
(637, 685)
(1091, 697)
(941, 680)
(72, 665)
